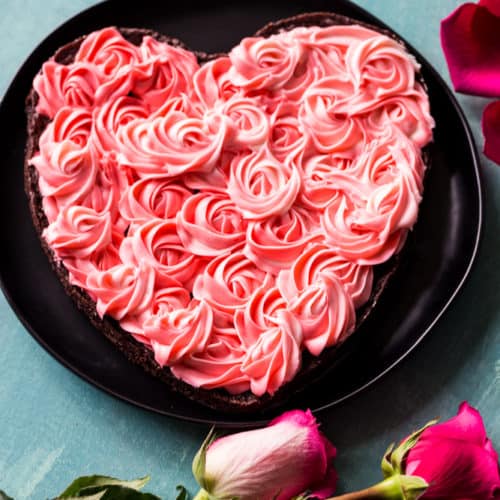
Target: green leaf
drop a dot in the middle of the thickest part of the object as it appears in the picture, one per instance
(182, 493)
(198, 466)
(398, 455)
(79, 485)
(113, 492)
(387, 468)
(4, 496)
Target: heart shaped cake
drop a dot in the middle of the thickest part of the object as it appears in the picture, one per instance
(228, 220)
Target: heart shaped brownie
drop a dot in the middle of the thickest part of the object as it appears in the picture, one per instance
(219, 218)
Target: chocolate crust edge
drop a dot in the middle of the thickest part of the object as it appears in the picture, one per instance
(217, 399)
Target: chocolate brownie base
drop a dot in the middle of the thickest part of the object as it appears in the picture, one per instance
(218, 399)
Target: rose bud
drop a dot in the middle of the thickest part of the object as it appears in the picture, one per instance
(453, 460)
(456, 458)
(287, 458)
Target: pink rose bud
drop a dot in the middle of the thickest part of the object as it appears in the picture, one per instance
(288, 457)
(456, 458)
(453, 460)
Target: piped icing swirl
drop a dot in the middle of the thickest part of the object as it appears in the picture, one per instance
(229, 216)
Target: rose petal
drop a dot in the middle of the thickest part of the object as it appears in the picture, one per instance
(492, 5)
(454, 470)
(491, 131)
(470, 41)
(467, 426)
(457, 459)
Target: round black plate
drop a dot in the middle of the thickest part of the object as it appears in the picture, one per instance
(439, 254)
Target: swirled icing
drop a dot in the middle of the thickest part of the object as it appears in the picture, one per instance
(229, 216)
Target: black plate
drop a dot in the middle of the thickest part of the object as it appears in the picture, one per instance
(440, 252)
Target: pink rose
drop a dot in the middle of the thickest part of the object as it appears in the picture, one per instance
(277, 462)
(456, 458)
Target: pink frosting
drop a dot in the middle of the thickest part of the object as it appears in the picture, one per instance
(122, 290)
(320, 260)
(325, 312)
(229, 216)
(209, 224)
(272, 336)
(149, 198)
(273, 244)
(229, 281)
(261, 186)
(157, 242)
(78, 232)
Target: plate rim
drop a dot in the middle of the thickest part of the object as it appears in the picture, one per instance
(226, 421)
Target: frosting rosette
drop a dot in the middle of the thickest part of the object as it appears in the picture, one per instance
(172, 144)
(324, 118)
(217, 366)
(165, 300)
(228, 211)
(176, 334)
(165, 72)
(78, 232)
(110, 117)
(261, 186)
(409, 112)
(249, 123)
(319, 260)
(380, 67)
(153, 198)
(286, 137)
(122, 290)
(264, 63)
(65, 163)
(211, 83)
(325, 312)
(323, 179)
(228, 282)
(58, 85)
(157, 242)
(272, 337)
(274, 243)
(210, 224)
(108, 51)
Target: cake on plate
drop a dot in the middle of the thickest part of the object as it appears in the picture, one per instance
(228, 220)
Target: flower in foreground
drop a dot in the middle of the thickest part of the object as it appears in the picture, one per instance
(285, 459)
(471, 45)
(453, 460)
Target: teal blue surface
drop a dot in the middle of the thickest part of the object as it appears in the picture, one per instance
(54, 426)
